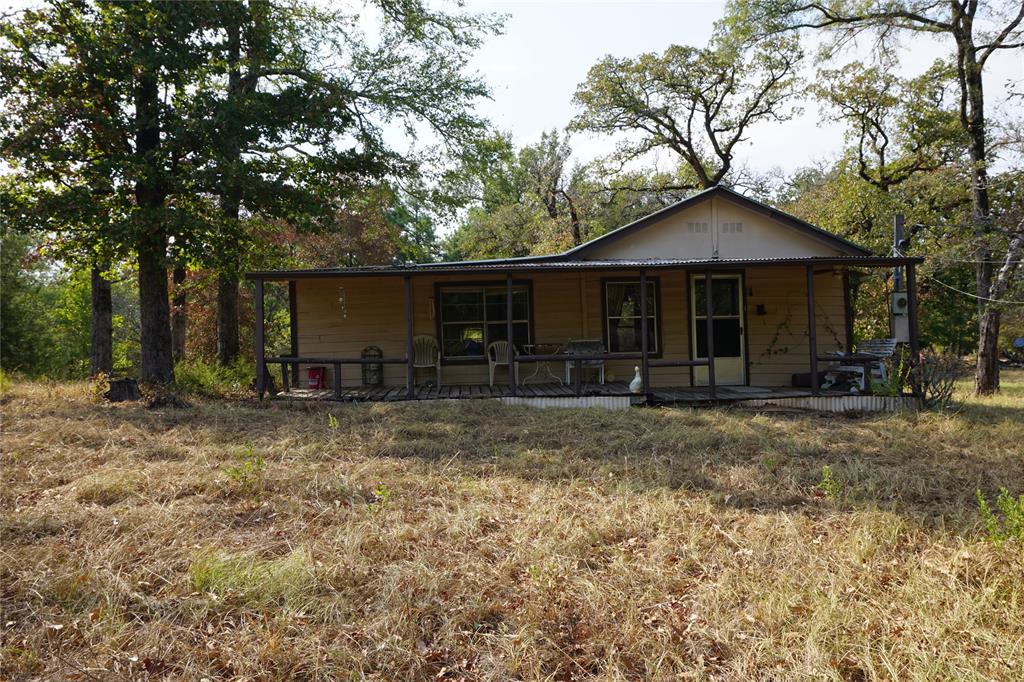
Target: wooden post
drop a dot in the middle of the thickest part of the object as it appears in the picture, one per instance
(848, 310)
(710, 332)
(912, 309)
(509, 332)
(261, 366)
(812, 331)
(293, 322)
(410, 371)
(644, 341)
(336, 377)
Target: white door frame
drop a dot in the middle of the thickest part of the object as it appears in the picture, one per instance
(729, 371)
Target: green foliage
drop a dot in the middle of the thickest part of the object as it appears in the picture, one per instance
(829, 486)
(286, 580)
(697, 103)
(247, 474)
(332, 422)
(1007, 521)
(45, 314)
(203, 378)
(380, 499)
(534, 201)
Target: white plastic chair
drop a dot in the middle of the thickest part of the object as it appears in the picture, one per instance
(497, 354)
(426, 353)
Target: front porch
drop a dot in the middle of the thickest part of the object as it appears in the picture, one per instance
(764, 330)
(662, 395)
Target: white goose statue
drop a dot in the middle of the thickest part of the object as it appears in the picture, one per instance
(637, 384)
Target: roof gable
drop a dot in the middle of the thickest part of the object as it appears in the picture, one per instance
(716, 223)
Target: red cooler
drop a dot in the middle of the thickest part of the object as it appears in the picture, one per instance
(316, 377)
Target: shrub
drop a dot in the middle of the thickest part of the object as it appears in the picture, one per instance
(1007, 521)
(210, 379)
(247, 475)
(829, 486)
(933, 377)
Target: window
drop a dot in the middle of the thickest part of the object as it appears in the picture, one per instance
(732, 228)
(697, 228)
(473, 317)
(622, 316)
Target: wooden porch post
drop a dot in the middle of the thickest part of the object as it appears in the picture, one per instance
(261, 365)
(812, 330)
(710, 332)
(410, 370)
(293, 323)
(912, 309)
(644, 341)
(509, 331)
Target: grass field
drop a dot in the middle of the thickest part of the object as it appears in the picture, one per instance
(232, 540)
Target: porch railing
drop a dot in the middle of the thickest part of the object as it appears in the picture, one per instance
(335, 363)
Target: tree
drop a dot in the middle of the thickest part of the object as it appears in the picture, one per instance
(896, 127)
(697, 102)
(977, 31)
(95, 123)
(274, 110)
(295, 135)
(532, 202)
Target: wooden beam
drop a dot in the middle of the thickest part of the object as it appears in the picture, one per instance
(293, 324)
(710, 332)
(848, 310)
(912, 310)
(261, 367)
(410, 370)
(812, 332)
(644, 341)
(511, 358)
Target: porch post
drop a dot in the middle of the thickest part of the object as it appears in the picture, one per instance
(812, 330)
(261, 365)
(912, 309)
(508, 329)
(293, 323)
(644, 341)
(410, 370)
(710, 332)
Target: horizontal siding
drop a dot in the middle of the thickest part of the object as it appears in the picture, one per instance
(568, 306)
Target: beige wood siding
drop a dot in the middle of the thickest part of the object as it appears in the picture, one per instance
(778, 340)
(707, 230)
(567, 306)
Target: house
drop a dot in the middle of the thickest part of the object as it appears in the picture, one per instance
(777, 305)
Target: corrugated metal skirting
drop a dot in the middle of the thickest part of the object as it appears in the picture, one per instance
(608, 402)
(843, 403)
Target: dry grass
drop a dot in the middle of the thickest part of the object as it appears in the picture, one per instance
(468, 540)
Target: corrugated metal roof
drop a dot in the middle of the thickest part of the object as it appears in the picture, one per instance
(547, 264)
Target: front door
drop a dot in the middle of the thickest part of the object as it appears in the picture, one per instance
(727, 326)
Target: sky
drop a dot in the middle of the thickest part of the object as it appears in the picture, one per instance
(547, 48)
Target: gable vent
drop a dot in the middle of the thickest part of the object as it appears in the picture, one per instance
(697, 228)
(732, 228)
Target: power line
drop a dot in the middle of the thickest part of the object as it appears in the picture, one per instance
(967, 293)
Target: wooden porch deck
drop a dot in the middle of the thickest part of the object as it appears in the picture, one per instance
(663, 395)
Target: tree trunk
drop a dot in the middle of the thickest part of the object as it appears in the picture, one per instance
(151, 242)
(101, 343)
(972, 116)
(154, 311)
(231, 201)
(227, 318)
(179, 315)
(986, 378)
